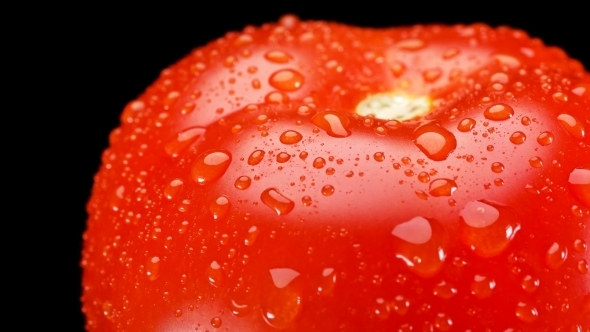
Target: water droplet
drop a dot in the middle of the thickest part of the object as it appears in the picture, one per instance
(335, 124)
(379, 156)
(183, 140)
(216, 322)
(545, 138)
(536, 162)
(290, 137)
(518, 137)
(381, 309)
(319, 162)
(152, 268)
(420, 243)
(580, 245)
(572, 125)
(431, 75)
(497, 167)
(286, 80)
(282, 300)
(303, 155)
(560, 97)
(530, 283)
(214, 274)
(277, 56)
(306, 200)
(172, 188)
(251, 236)
(411, 44)
(487, 228)
(274, 200)
(579, 184)
(283, 157)
(466, 125)
(400, 305)
(582, 266)
(443, 322)
(107, 309)
(434, 141)
(423, 177)
(255, 157)
(243, 182)
(327, 281)
(210, 166)
(526, 312)
(482, 286)
(442, 187)
(327, 190)
(556, 255)
(178, 313)
(219, 207)
(444, 290)
(498, 112)
(239, 304)
(330, 171)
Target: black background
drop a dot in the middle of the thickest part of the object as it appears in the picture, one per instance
(108, 55)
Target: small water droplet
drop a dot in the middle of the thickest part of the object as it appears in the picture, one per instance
(411, 44)
(319, 162)
(335, 124)
(443, 322)
(560, 97)
(214, 274)
(572, 125)
(556, 255)
(487, 228)
(286, 80)
(219, 208)
(582, 266)
(381, 309)
(255, 157)
(327, 190)
(283, 157)
(545, 138)
(306, 200)
(279, 203)
(277, 56)
(442, 187)
(482, 286)
(444, 290)
(290, 137)
(526, 312)
(216, 322)
(466, 125)
(178, 313)
(243, 182)
(423, 177)
(536, 162)
(400, 305)
(431, 75)
(251, 236)
(497, 167)
(210, 166)
(580, 245)
(518, 137)
(420, 243)
(152, 268)
(499, 112)
(530, 283)
(327, 281)
(434, 141)
(379, 156)
(330, 171)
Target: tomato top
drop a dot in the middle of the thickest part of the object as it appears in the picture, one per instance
(314, 176)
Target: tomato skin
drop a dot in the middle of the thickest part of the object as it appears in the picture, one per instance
(315, 238)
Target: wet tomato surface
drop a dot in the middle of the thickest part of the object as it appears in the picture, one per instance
(312, 176)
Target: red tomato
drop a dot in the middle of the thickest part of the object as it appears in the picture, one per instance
(310, 176)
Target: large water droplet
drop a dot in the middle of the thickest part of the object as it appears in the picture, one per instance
(255, 157)
(210, 166)
(420, 243)
(279, 203)
(216, 322)
(466, 125)
(281, 303)
(487, 228)
(335, 124)
(556, 255)
(572, 125)
(319, 162)
(497, 167)
(442, 187)
(219, 207)
(499, 112)
(482, 286)
(579, 184)
(286, 80)
(183, 140)
(283, 157)
(545, 138)
(290, 137)
(328, 190)
(434, 141)
(518, 137)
